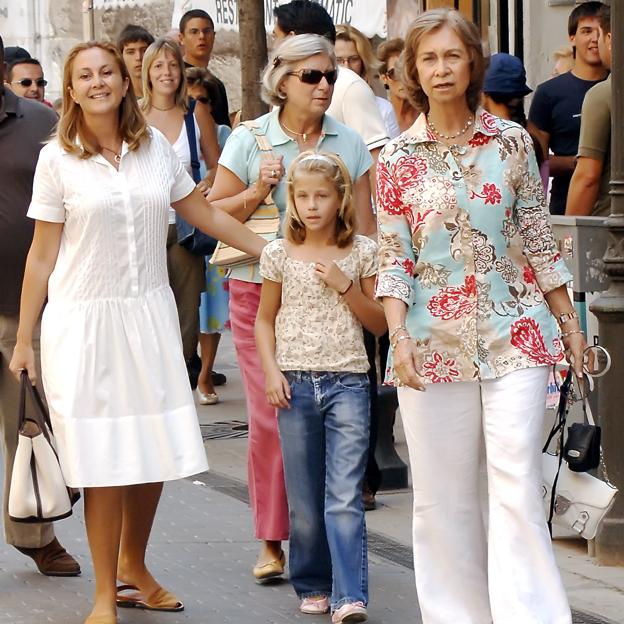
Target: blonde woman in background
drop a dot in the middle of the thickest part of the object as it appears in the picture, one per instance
(354, 51)
(165, 104)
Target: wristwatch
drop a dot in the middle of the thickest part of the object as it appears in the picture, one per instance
(564, 317)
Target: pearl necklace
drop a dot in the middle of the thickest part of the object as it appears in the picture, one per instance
(450, 137)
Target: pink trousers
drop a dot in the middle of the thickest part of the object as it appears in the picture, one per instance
(267, 492)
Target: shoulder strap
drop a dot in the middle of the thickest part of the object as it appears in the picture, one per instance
(264, 145)
(189, 121)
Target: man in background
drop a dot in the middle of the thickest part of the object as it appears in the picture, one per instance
(590, 184)
(197, 36)
(24, 126)
(555, 114)
(25, 79)
(132, 43)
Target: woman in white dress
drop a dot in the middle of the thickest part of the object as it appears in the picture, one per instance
(112, 362)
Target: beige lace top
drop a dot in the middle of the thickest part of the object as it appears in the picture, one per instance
(315, 329)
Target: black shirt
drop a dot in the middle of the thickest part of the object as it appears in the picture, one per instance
(556, 109)
(24, 126)
(220, 110)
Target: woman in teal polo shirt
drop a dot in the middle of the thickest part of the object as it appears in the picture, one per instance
(298, 82)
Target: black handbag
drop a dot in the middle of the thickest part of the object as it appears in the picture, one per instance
(582, 447)
(192, 238)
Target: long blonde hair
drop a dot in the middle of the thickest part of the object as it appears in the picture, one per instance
(71, 128)
(168, 45)
(332, 167)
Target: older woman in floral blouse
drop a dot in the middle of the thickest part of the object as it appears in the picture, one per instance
(470, 279)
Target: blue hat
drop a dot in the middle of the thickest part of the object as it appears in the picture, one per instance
(14, 54)
(506, 75)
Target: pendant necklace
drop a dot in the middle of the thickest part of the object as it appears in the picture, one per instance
(303, 135)
(116, 155)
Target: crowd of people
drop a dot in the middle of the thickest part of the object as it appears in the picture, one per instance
(414, 248)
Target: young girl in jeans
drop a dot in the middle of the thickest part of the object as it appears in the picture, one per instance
(317, 294)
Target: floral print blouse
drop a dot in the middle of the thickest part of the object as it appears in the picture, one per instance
(315, 329)
(465, 241)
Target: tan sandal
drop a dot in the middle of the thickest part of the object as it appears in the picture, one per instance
(159, 600)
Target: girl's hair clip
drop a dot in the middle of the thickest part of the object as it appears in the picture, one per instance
(276, 61)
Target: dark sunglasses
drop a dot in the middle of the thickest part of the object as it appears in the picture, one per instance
(391, 73)
(26, 82)
(314, 76)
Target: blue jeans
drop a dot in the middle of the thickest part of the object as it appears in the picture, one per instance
(324, 438)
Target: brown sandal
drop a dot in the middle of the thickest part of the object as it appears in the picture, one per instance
(159, 600)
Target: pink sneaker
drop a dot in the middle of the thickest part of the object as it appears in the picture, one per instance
(350, 612)
(314, 605)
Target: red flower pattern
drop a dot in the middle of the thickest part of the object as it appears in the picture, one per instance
(408, 170)
(527, 338)
(528, 275)
(408, 265)
(488, 122)
(454, 302)
(440, 369)
(490, 193)
(388, 193)
(479, 139)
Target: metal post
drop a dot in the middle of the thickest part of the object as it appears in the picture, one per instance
(609, 309)
(88, 20)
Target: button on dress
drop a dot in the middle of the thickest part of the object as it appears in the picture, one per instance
(111, 353)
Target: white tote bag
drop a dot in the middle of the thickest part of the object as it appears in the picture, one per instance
(37, 492)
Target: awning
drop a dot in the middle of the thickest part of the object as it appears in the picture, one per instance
(369, 16)
(118, 4)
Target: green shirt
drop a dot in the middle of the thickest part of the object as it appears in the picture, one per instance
(242, 157)
(595, 139)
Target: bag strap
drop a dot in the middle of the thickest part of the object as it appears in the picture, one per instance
(264, 145)
(189, 122)
(41, 414)
(558, 428)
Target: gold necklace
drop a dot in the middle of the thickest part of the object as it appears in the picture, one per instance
(164, 110)
(450, 137)
(304, 135)
(116, 155)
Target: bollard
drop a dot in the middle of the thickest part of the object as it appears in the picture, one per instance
(393, 468)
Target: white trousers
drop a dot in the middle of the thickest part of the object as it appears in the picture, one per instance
(463, 576)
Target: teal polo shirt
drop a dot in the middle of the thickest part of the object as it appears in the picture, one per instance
(242, 157)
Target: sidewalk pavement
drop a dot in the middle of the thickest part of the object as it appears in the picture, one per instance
(202, 549)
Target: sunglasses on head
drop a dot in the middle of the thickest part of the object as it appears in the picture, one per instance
(26, 82)
(314, 76)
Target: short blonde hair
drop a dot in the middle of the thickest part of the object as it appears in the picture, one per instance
(334, 169)
(71, 128)
(162, 44)
(283, 60)
(426, 23)
(346, 32)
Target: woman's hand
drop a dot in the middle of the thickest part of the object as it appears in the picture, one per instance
(575, 346)
(330, 273)
(23, 359)
(405, 359)
(271, 172)
(277, 389)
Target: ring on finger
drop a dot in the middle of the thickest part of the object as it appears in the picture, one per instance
(273, 173)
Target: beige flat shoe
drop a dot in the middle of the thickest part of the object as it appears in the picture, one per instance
(270, 570)
(159, 600)
(211, 398)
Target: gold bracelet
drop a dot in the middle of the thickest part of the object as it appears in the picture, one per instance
(396, 342)
(245, 202)
(396, 330)
(572, 331)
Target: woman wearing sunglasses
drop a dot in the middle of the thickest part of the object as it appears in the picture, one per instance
(299, 83)
(389, 54)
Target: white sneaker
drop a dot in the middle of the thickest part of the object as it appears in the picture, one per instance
(350, 612)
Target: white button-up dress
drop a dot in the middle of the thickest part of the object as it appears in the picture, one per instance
(111, 353)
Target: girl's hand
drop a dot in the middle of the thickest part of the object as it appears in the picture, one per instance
(271, 172)
(405, 358)
(277, 389)
(575, 345)
(204, 188)
(23, 359)
(331, 274)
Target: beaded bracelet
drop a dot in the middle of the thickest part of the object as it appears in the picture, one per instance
(396, 330)
(396, 342)
(572, 331)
